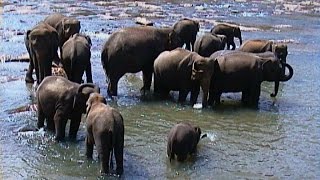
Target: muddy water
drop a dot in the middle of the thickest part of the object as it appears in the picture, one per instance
(278, 141)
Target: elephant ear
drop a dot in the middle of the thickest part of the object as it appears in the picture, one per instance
(198, 133)
(197, 69)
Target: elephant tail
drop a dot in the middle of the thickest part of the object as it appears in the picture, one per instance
(104, 60)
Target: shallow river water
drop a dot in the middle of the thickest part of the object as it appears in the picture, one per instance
(280, 140)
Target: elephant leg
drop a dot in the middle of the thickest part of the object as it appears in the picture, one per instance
(103, 151)
(254, 95)
(195, 93)
(60, 124)
(118, 152)
(182, 157)
(41, 117)
(217, 98)
(50, 124)
(233, 45)
(183, 95)
(29, 78)
(89, 147)
(188, 46)
(74, 126)
(245, 97)
(89, 73)
(113, 84)
(147, 79)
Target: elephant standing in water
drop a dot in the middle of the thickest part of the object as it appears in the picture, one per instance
(65, 26)
(230, 31)
(76, 56)
(244, 72)
(59, 100)
(187, 30)
(42, 45)
(105, 129)
(134, 49)
(210, 43)
(183, 71)
(183, 139)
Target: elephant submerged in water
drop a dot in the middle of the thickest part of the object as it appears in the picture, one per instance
(244, 72)
(134, 49)
(183, 71)
(105, 129)
(183, 139)
(59, 100)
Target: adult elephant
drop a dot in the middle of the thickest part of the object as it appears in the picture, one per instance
(65, 26)
(230, 31)
(244, 72)
(183, 71)
(42, 45)
(280, 50)
(210, 43)
(134, 49)
(59, 100)
(187, 29)
(76, 56)
(105, 129)
(183, 139)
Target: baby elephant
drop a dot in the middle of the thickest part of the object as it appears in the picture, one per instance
(105, 129)
(182, 140)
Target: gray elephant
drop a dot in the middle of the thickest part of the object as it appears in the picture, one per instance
(280, 50)
(59, 100)
(42, 45)
(105, 129)
(230, 31)
(65, 26)
(183, 139)
(187, 29)
(134, 49)
(184, 71)
(244, 72)
(210, 43)
(76, 56)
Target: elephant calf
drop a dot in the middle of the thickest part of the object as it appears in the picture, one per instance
(183, 139)
(76, 56)
(59, 100)
(230, 31)
(187, 30)
(105, 129)
(183, 71)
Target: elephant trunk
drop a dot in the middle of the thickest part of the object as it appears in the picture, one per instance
(276, 88)
(287, 77)
(205, 85)
(240, 39)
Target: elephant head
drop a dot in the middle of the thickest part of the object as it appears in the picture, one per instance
(42, 44)
(66, 28)
(280, 51)
(174, 41)
(94, 98)
(83, 93)
(272, 71)
(202, 70)
(223, 40)
(237, 33)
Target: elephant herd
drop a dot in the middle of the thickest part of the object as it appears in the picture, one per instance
(154, 51)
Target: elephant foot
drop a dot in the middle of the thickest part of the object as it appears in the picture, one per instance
(29, 79)
(119, 171)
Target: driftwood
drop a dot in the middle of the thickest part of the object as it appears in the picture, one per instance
(22, 58)
(143, 21)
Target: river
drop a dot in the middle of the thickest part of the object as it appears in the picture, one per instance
(280, 140)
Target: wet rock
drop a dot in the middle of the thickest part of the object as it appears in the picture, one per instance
(143, 21)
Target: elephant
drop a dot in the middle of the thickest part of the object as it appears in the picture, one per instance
(209, 43)
(259, 46)
(134, 49)
(76, 56)
(230, 31)
(184, 71)
(183, 139)
(244, 72)
(187, 29)
(42, 44)
(105, 129)
(65, 26)
(58, 100)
